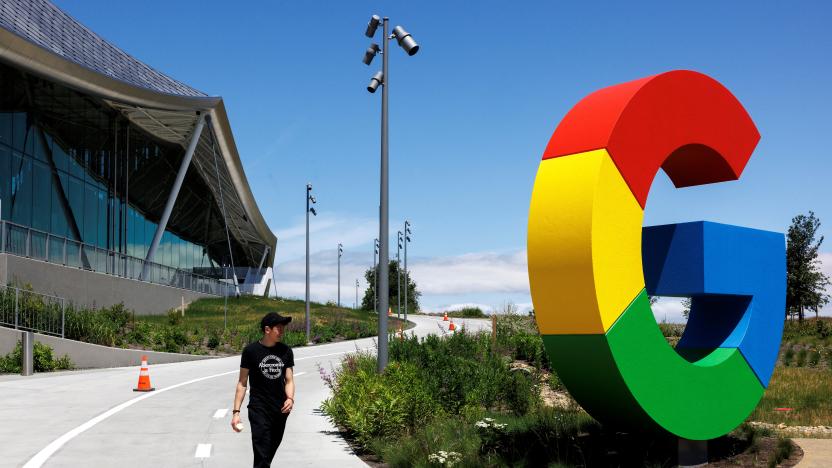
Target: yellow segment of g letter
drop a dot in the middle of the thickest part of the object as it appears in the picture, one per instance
(584, 244)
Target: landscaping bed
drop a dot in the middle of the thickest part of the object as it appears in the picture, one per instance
(464, 400)
(205, 328)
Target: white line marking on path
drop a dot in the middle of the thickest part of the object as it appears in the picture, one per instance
(296, 374)
(40, 458)
(203, 451)
(220, 413)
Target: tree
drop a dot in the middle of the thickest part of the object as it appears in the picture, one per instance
(686, 302)
(805, 282)
(413, 294)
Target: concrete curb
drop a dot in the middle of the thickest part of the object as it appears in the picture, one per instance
(92, 356)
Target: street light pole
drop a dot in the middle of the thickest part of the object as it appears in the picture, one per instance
(375, 276)
(356, 293)
(382, 79)
(309, 209)
(406, 273)
(340, 252)
(399, 274)
(383, 232)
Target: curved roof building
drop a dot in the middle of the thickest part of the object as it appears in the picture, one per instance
(110, 166)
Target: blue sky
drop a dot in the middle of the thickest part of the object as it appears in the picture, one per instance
(471, 114)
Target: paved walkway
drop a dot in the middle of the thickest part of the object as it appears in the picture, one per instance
(94, 419)
(817, 453)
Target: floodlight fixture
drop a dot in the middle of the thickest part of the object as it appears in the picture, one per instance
(375, 82)
(372, 25)
(312, 199)
(371, 52)
(406, 41)
(312, 210)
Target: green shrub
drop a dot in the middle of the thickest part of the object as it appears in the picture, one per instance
(101, 326)
(372, 405)
(468, 312)
(439, 435)
(814, 357)
(782, 451)
(823, 329)
(42, 359)
(788, 355)
(171, 339)
(141, 333)
(801, 358)
(522, 394)
(213, 340)
(174, 317)
(548, 437)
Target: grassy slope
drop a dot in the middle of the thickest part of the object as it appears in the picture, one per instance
(808, 391)
(204, 321)
(798, 382)
(247, 310)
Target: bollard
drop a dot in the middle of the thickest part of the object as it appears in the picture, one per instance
(27, 367)
(693, 453)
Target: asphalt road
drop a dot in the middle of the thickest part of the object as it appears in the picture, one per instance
(94, 419)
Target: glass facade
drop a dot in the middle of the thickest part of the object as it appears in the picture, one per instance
(73, 167)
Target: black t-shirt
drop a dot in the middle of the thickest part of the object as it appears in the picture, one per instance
(267, 374)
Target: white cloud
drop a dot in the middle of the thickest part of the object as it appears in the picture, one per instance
(485, 272)
(481, 279)
(290, 276)
(669, 309)
(439, 279)
(325, 232)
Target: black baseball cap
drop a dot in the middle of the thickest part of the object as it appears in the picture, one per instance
(272, 319)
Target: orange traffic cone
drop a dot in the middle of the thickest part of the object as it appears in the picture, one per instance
(144, 378)
(452, 327)
(445, 318)
(389, 311)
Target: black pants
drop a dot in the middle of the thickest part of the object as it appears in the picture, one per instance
(266, 434)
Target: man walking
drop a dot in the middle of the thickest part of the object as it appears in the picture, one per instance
(267, 364)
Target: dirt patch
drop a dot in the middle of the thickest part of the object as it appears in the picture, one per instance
(757, 455)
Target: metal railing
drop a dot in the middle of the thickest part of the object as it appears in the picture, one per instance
(32, 243)
(228, 272)
(30, 311)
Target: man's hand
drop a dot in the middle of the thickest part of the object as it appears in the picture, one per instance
(287, 406)
(234, 421)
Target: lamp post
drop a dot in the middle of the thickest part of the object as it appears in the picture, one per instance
(399, 274)
(375, 276)
(406, 275)
(382, 79)
(356, 294)
(309, 209)
(340, 252)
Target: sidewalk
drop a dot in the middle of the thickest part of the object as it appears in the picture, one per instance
(817, 453)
